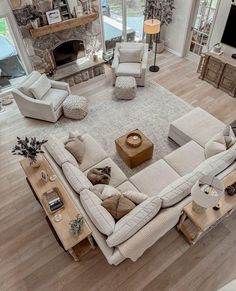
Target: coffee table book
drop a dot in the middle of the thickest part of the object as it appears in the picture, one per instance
(70, 242)
(194, 225)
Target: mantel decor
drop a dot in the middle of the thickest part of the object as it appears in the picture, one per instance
(206, 193)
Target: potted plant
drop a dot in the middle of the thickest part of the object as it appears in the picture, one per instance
(163, 11)
(29, 148)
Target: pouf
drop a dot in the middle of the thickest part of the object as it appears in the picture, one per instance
(125, 88)
(75, 107)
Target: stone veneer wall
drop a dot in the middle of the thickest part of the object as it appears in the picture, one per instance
(38, 49)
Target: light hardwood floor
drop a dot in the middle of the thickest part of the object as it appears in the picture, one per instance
(30, 258)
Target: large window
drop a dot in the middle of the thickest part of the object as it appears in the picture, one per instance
(122, 20)
(10, 65)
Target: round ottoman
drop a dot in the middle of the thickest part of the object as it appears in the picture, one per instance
(75, 107)
(125, 88)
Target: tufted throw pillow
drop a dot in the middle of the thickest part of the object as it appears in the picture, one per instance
(76, 178)
(101, 218)
(118, 206)
(220, 142)
(40, 87)
(75, 146)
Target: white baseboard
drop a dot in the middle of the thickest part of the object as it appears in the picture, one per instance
(173, 52)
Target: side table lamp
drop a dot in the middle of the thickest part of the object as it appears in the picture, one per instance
(206, 193)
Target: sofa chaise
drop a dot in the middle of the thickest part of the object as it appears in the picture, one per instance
(170, 179)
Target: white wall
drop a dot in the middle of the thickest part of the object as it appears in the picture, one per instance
(219, 26)
(5, 11)
(176, 32)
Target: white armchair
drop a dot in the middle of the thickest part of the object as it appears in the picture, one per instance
(49, 107)
(132, 68)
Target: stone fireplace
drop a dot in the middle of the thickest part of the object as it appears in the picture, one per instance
(67, 52)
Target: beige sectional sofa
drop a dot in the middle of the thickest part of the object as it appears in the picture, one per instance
(170, 179)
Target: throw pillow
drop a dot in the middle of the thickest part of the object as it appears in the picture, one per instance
(75, 146)
(118, 206)
(220, 142)
(40, 87)
(105, 191)
(31, 79)
(101, 218)
(135, 196)
(130, 55)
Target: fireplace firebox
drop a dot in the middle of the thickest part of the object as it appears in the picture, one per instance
(68, 52)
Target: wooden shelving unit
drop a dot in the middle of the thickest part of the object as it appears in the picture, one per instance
(64, 25)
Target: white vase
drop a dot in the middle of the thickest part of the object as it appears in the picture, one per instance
(35, 23)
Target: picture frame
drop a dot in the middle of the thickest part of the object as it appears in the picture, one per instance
(53, 16)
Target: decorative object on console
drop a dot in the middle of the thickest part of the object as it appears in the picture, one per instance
(53, 200)
(53, 16)
(76, 224)
(152, 26)
(45, 176)
(99, 175)
(206, 193)
(163, 11)
(29, 148)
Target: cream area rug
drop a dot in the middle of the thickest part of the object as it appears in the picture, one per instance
(151, 111)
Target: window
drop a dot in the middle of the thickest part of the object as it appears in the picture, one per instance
(122, 20)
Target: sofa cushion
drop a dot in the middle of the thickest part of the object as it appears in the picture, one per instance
(40, 87)
(197, 125)
(104, 191)
(56, 97)
(220, 142)
(56, 149)
(75, 146)
(126, 186)
(129, 69)
(94, 153)
(118, 206)
(24, 87)
(76, 178)
(154, 178)
(101, 218)
(117, 176)
(127, 55)
(134, 220)
(186, 158)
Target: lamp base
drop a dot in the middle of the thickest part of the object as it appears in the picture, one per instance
(154, 69)
(197, 208)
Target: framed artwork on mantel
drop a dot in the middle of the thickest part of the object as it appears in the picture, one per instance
(53, 16)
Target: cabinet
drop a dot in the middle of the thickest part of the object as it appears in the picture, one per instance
(220, 71)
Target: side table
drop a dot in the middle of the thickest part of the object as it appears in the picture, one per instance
(75, 245)
(194, 225)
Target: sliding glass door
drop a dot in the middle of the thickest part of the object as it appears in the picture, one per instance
(122, 20)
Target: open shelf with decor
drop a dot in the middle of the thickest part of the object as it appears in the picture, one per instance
(67, 24)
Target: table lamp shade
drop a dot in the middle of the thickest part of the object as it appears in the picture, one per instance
(207, 191)
(152, 26)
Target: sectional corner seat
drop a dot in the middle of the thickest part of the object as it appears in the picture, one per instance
(170, 178)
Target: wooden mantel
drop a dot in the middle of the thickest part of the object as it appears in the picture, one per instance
(67, 24)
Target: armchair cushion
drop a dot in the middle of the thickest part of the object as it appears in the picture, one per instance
(130, 55)
(32, 78)
(55, 96)
(129, 69)
(40, 87)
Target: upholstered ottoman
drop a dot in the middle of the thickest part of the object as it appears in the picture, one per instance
(125, 88)
(75, 107)
(197, 125)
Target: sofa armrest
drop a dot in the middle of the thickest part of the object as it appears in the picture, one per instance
(60, 85)
(145, 57)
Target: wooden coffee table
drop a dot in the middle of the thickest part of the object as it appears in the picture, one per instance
(194, 225)
(134, 156)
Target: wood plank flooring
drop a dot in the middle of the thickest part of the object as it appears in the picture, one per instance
(30, 258)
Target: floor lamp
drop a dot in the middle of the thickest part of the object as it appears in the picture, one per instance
(153, 26)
